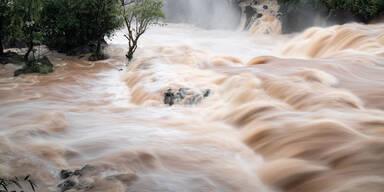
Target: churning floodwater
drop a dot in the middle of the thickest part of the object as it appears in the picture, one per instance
(285, 113)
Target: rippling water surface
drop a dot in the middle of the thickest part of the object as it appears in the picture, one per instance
(297, 113)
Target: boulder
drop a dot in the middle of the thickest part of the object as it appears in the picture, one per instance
(169, 97)
(65, 174)
(11, 57)
(206, 92)
(73, 179)
(195, 99)
(42, 66)
(66, 185)
(185, 96)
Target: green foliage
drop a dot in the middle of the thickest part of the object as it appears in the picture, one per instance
(138, 16)
(68, 24)
(25, 23)
(4, 12)
(25, 18)
(5, 21)
(105, 18)
(362, 9)
(105, 21)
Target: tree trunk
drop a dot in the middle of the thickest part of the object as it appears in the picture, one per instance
(26, 56)
(98, 49)
(1, 48)
(131, 50)
(1, 45)
(130, 53)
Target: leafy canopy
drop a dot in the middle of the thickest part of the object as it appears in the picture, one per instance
(68, 24)
(138, 16)
(363, 9)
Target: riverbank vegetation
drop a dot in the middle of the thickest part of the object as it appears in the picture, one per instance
(70, 26)
(299, 14)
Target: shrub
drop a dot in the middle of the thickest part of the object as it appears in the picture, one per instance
(299, 14)
(5, 20)
(68, 24)
(25, 24)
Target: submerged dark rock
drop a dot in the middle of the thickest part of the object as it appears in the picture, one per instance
(185, 96)
(180, 95)
(65, 174)
(206, 92)
(71, 178)
(66, 185)
(11, 57)
(169, 97)
(196, 99)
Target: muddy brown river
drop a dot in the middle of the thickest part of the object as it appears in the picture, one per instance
(286, 113)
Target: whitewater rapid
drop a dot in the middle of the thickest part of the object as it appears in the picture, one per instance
(294, 113)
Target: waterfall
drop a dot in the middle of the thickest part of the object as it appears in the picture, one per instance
(211, 14)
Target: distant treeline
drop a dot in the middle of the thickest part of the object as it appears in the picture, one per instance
(299, 14)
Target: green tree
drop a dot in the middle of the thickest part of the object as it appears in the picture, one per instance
(5, 21)
(138, 16)
(106, 19)
(63, 25)
(25, 16)
(70, 24)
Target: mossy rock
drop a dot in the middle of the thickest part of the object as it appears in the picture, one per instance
(11, 57)
(42, 66)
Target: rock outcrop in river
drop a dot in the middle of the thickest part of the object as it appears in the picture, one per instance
(260, 16)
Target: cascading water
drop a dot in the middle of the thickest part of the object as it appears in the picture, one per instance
(211, 14)
(285, 114)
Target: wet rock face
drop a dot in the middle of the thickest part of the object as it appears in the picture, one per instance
(67, 185)
(255, 10)
(11, 57)
(169, 97)
(74, 179)
(185, 96)
(42, 66)
(206, 92)
(65, 174)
